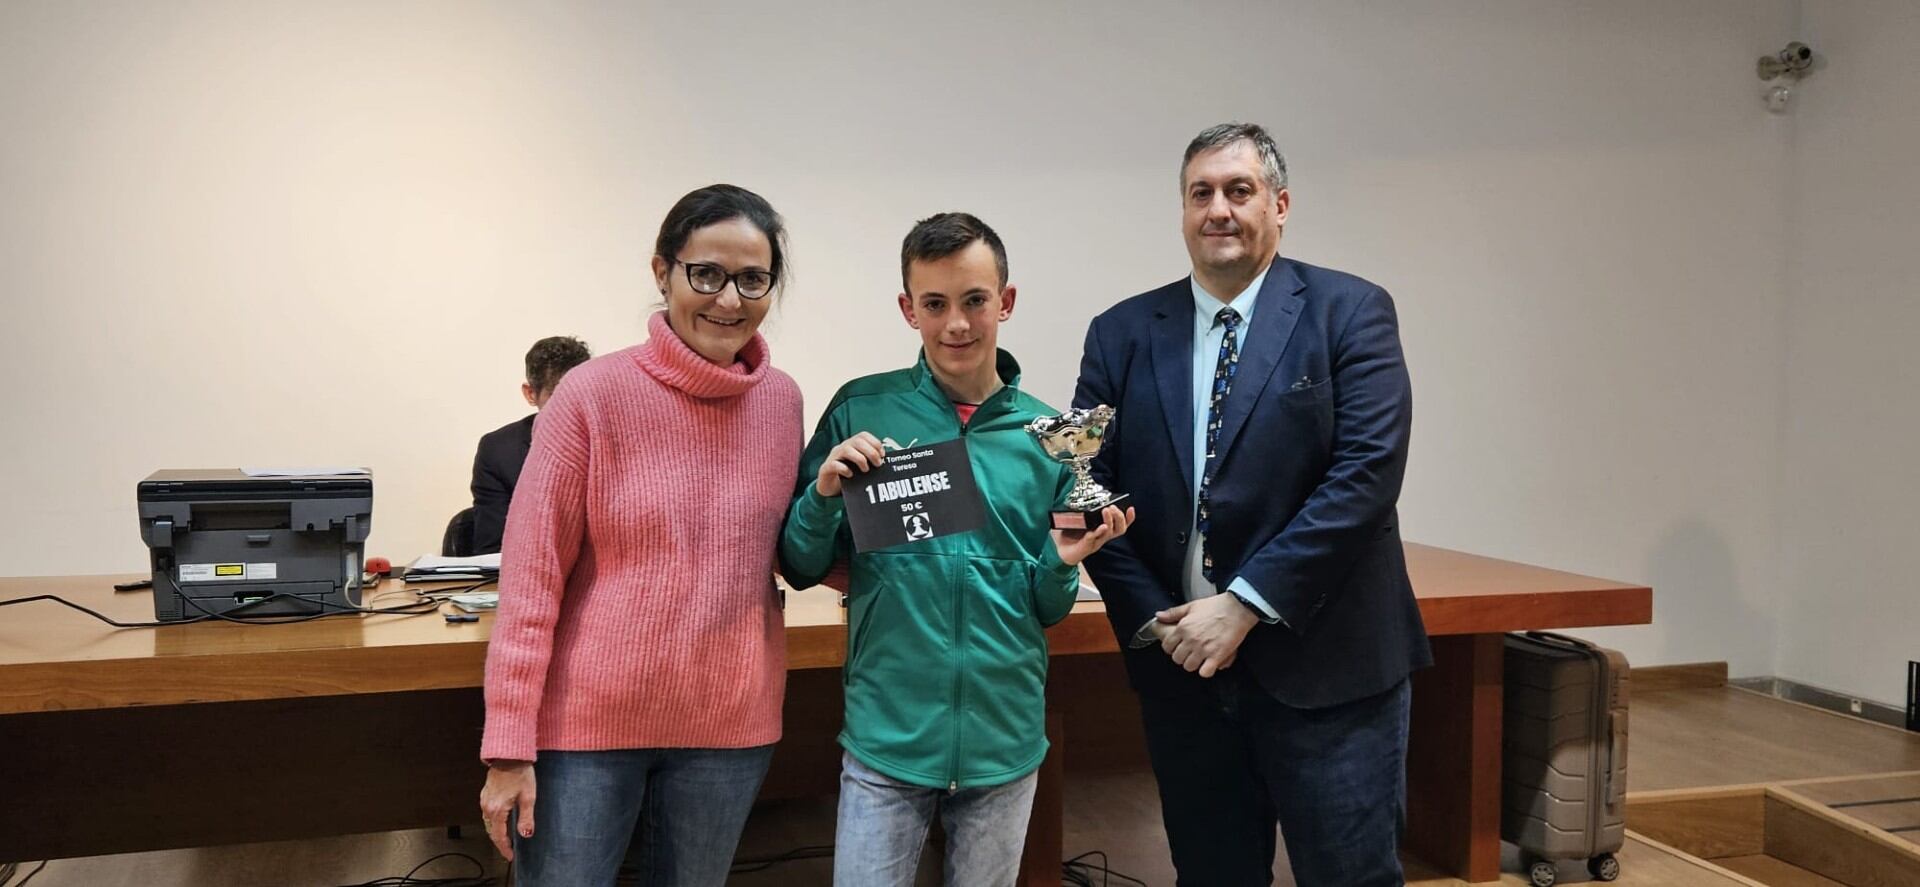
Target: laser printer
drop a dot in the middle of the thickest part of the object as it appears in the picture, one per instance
(226, 540)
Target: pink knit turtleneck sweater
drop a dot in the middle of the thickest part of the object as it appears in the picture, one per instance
(637, 606)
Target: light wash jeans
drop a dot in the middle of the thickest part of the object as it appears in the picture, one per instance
(683, 808)
(883, 825)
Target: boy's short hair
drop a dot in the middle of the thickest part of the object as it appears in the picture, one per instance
(942, 235)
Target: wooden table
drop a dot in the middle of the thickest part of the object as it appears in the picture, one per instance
(122, 740)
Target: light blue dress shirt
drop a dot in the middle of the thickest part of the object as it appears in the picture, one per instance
(1208, 333)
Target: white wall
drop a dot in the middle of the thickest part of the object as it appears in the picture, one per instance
(1849, 511)
(295, 233)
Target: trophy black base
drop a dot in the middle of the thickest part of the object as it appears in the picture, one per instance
(1084, 520)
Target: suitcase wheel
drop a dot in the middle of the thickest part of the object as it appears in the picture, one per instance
(1541, 872)
(1604, 867)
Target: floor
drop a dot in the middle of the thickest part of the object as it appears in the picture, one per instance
(1772, 871)
(1724, 736)
(1680, 739)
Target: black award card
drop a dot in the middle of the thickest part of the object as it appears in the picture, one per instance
(922, 492)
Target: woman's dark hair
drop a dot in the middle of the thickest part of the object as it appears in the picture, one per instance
(719, 203)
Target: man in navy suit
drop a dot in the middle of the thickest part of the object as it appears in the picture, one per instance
(1261, 598)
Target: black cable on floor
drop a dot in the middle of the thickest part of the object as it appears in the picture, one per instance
(1079, 871)
(7, 872)
(408, 880)
(746, 866)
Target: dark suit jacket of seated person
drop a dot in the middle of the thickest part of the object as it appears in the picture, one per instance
(496, 464)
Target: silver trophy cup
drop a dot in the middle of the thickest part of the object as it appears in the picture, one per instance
(1073, 438)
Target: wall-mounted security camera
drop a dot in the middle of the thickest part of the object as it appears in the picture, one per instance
(1787, 66)
(1794, 61)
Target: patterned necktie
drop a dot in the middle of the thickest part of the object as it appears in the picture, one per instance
(1223, 370)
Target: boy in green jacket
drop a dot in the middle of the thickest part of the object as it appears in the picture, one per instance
(946, 650)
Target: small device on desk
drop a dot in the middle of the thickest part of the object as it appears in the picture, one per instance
(477, 601)
(222, 540)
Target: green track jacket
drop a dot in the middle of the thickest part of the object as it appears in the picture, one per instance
(946, 655)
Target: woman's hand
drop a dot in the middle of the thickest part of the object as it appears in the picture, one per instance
(509, 787)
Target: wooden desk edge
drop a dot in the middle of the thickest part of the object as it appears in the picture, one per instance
(284, 674)
(177, 680)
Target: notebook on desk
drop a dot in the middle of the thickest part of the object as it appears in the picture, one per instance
(436, 568)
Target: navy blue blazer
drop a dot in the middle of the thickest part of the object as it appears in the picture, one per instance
(496, 471)
(1313, 447)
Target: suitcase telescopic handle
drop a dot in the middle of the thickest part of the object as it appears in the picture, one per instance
(1556, 637)
(1616, 752)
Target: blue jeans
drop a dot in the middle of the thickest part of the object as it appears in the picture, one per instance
(1232, 762)
(684, 806)
(883, 825)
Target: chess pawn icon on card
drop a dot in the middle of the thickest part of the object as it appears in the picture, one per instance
(1073, 438)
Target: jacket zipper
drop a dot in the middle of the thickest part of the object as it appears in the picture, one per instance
(959, 671)
(959, 642)
(959, 599)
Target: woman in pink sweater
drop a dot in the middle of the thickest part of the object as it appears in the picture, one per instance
(638, 661)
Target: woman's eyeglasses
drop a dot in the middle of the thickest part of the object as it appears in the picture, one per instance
(706, 279)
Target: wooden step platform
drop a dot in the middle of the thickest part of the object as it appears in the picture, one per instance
(1642, 864)
(1854, 831)
(1890, 802)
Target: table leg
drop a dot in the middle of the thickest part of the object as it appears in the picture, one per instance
(1453, 758)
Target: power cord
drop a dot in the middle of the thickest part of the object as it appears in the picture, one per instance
(1079, 871)
(327, 608)
(424, 605)
(762, 863)
(8, 870)
(436, 594)
(95, 614)
(482, 879)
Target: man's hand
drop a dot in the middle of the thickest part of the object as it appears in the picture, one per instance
(1205, 635)
(861, 452)
(1075, 546)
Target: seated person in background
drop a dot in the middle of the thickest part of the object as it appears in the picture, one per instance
(496, 466)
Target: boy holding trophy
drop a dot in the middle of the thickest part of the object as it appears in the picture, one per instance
(930, 482)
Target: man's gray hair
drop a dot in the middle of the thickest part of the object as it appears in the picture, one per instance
(1273, 166)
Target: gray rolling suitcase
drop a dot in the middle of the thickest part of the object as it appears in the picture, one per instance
(1564, 768)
